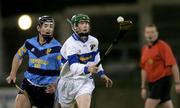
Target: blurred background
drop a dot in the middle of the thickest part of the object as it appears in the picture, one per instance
(122, 64)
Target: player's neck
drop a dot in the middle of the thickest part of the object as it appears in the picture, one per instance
(84, 38)
(150, 44)
(41, 40)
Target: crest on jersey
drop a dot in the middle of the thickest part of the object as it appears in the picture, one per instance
(48, 50)
(92, 46)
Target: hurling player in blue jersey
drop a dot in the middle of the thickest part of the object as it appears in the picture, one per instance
(80, 55)
(44, 65)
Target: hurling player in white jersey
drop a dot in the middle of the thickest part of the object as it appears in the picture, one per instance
(80, 55)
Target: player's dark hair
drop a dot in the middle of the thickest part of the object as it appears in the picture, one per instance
(45, 18)
(151, 25)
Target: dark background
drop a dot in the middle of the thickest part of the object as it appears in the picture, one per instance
(122, 64)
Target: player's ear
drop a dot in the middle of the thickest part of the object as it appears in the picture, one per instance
(38, 28)
(75, 27)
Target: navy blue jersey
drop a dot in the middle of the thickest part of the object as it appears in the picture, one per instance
(44, 61)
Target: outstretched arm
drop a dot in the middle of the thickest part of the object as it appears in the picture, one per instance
(17, 60)
(15, 66)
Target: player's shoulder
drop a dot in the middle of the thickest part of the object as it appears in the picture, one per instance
(55, 42)
(32, 39)
(70, 40)
(93, 38)
(162, 43)
(144, 47)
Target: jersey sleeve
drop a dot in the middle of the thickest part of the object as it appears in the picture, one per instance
(22, 51)
(100, 71)
(141, 64)
(100, 68)
(59, 61)
(168, 55)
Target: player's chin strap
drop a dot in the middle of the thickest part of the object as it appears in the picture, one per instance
(83, 34)
(48, 38)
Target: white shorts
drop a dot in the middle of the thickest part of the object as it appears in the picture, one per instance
(69, 89)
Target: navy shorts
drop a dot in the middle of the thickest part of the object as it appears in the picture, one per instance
(161, 89)
(37, 95)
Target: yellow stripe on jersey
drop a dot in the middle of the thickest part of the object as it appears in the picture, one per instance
(39, 61)
(20, 53)
(59, 57)
(37, 65)
(23, 49)
(85, 58)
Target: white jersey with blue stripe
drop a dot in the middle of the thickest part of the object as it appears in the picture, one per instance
(44, 61)
(77, 55)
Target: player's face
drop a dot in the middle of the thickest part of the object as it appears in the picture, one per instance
(82, 27)
(47, 28)
(151, 34)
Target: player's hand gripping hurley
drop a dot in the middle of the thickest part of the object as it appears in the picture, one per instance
(11, 80)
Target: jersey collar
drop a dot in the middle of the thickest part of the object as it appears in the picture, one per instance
(154, 43)
(43, 43)
(76, 37)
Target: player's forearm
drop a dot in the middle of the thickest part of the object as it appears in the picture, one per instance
(175, 72)
(15, 65)
(143, 79)
(100, 72)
